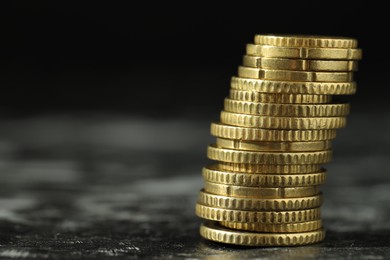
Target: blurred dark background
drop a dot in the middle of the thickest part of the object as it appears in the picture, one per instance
(163, 59)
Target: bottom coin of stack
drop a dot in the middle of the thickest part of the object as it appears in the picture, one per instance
(273, 137)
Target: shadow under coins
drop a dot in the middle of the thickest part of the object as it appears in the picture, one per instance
(337, 245)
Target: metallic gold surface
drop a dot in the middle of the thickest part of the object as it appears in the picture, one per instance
(257, 134)
(299, 65)
(267, 217)
(303, 52)
(287, 110)
(275, 228)
(216, 175)
(259, 204)
(269, 122)
(273, 146)
(269, 168)
(293, 87)
(274, 135)
(306, 41)
(259, 192)
(289, 75)
(216, 233)
(253, 96)
(255, 157)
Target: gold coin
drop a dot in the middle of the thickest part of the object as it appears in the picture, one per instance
(269, 168)
(269, 217)
(259, 204)
(300, 65)
(216, 233)
(253, 96)
(257, 134)
(290, 123)
(217, 175)
(293, 87)
(295, 110)
(254, 157)
(290, 75)
(260, 192)
(273, 146)
(303, 52)
(275, 228)
(306, 41)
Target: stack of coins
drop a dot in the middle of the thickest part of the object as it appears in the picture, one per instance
(274, 135)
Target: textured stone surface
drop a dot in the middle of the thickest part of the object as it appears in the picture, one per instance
(115, 186)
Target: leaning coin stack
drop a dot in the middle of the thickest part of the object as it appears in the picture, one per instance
(273, 137)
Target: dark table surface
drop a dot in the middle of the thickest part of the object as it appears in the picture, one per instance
(102, 186)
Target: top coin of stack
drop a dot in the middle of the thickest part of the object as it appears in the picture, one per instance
(274, 135)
